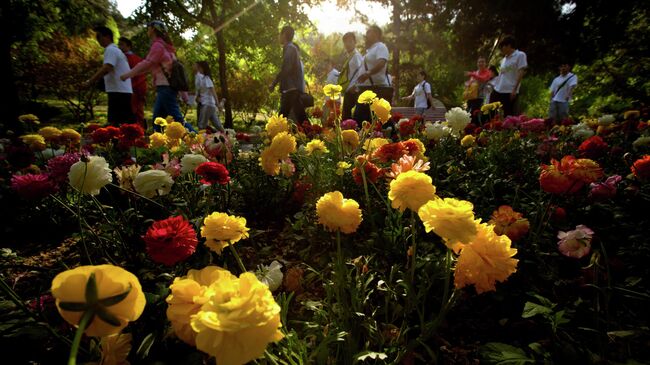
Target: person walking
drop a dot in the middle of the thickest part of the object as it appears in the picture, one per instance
(511, 73)
(561, 92)
(138, 83)
(118, 91)
(159, 62)
(421, 94)
(291, 78)
(374, 72)
(476, 88)
(349, 74)
(206, 97)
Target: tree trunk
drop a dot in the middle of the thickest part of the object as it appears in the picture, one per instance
(397, 26)
(9, 104)
(223, 78)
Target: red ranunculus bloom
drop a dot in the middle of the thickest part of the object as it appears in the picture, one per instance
(593, 147)
(568, 175)
(390, 152)
(373, 173)
(407, 127)
(101, 135)
(32, 186)
(170, 240)
(131, 132)
(641, 168)
(213, 173)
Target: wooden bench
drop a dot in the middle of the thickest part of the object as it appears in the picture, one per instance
(435, 113)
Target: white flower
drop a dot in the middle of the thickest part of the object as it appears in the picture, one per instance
(435, 131)
(606, 119)
(457, 119)
(89, 177)
(191, 161)
(126, 175)
(582, 131)
(152, 182)
(270, 275)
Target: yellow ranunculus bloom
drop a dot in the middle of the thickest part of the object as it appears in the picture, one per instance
(367, 97)
(333, 91)
(316, 146)
(238, 321)
(381, 108)
(282, 145)
(350, 139)
(69, 135)
(269, 162)
(411, 190)
(29, 118)
(374, 143)
(69, 288)
(162, 122)
(449, 218)
(115, 349)
(51, 134)
(486, 260)
(175, 130)
(36, 142)
(157, 139)
(90, 174)
(467, 141)
(221, 230)
(188, 294)
(337, 213)
(341, 166)
(276, 124)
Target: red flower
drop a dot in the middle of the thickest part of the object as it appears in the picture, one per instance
(131, 132)
(390, 152)
(406, 128)
(396, 116)
(568, 175)
(373, 173)
(32, 186)
(105, 135)
(213, 173)
(641, 168)
(593, 147)
(241, 136)
(170, 240)
(92, 127)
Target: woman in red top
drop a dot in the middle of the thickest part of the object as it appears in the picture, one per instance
(139, 83)
(477, 79)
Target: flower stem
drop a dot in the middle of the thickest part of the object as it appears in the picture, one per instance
(237, 258)
(85, 319)
(445, 293)
(413, 246)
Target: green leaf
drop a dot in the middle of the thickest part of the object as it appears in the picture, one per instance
(107, 302)
(532, 309)
(365, 355)
(73, 306)
(91, 289)
(501, 354)
(108, 317)
(145, 345)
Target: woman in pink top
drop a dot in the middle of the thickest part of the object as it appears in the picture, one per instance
(480, 77)
(161, 55)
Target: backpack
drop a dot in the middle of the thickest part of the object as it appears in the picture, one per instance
(177, 78)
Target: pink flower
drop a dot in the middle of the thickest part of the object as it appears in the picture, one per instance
(32, 186)
(349, 124)
(59, 166)
(576, 243)
(513, 121)
(604, 190)
(533, 125)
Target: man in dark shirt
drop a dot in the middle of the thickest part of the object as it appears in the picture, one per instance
(291, 78)
(139, 82)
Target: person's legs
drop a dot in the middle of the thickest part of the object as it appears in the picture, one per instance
(213, 115)
(111, 115)
(562, 111)
(297, 106)
(506, 102)
(420, 111)
(169, 100)
(125, 110)
(137, 106)
(552, 112)
(362, 111)
(204, 116)
(474, 109)
(349, 99)
(285, 106)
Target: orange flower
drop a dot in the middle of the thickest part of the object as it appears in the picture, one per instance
(641, 168)
(507, 221)
(586, 170)
(569, 175)
(407, 163)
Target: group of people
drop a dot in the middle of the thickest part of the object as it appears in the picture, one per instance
(123, 75)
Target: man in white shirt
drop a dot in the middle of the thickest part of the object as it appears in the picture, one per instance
(119, 92)
(373, 74)
(512, 71)
(561, 92)
(349, 74)
(421, 94)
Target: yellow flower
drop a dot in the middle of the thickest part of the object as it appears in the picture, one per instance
(238, 321)
(162, 122)
(29, 118)
(188, 294)
(416, 148)
(411, 190)
(115, 349)
(337, 213)
(449, 218)
(157, 139)
(367, 97)
(350, 139)
(51, 134)
(277, 124)
(381, 108)
(99, 288)
(90, 174)
(485, 261)
(631, 114)
(333, 91)
(71, 136)
(282, 145)
(126, 175)
(467, 141)
(36, 142)
(316, 146)
(269, 162)
(341, 167)
(175, 130)
(374, 143)
(221, 230)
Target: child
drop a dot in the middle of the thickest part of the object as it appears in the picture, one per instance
(206, 97)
